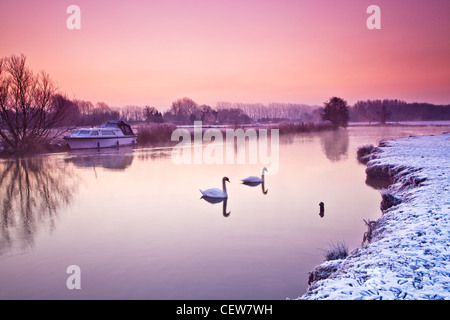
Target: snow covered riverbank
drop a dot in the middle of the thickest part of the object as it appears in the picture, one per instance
(408, 255)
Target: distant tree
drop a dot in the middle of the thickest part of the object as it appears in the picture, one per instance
(151, 114)
(384, 113)
(85, 107)
(204, 108)
(72, 109)
(233, 116)
(205, 111)
(181, 110)
(91, 115)
(398, 110)
(132, 113)
(316, 114)
(192, 118)
(30, 110)
(103, 112)
(336, 111)
(271, 112)
(215, 113)
(102, 107)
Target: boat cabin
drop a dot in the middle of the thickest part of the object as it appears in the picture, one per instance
(124, 127)
(109, 134)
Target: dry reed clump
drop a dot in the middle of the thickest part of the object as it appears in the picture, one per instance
(323, 271)
(334, 255)
(336, 251)
(388, 201)
(363, 153)
(155, 132)
(368, 235)
(295, 127)
(380, 172)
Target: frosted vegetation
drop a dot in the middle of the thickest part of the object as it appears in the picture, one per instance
(405, 253)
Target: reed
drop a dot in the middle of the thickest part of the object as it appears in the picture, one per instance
(162, 132)
(388, 200)
(155, 132)
(336, 251)
(296, 127)
(368, 235)
(363, 153)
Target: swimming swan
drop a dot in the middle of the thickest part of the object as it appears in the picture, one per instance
(254, 179)
(215, 192)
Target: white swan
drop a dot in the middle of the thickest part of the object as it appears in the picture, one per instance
(253, 179)
(215, 192)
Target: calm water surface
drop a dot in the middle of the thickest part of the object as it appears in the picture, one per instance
(133, 221)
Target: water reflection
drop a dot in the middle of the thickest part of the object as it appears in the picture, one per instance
(378, 183)
(142, 209)
(216, 201)
(159, 153)
(32, 190)
(254, 184)
(113, 159)
(335, 144)
(254, 181)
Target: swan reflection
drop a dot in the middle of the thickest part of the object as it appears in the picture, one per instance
(254, 181)
(218, 200)
(254, 184)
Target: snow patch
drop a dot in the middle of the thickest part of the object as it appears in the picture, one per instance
(408, 254)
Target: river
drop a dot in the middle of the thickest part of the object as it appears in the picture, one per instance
(133, 221)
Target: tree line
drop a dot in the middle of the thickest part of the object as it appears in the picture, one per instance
(397, 110)
(33, 110)
(185, 111)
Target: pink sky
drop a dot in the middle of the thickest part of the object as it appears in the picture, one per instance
(293, 51)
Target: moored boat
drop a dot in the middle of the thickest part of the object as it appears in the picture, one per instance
(109, 134)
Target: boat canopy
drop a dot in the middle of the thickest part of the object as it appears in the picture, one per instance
(125, 127)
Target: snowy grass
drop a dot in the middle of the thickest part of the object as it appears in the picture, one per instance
(336, 251)
(408, 254)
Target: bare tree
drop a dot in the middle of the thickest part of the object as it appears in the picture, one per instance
(274, 111)
(132, 113)
(152, 114)
(182, 109)
(85, 107)
(29, 111)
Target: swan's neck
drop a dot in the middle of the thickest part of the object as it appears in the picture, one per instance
(224, 187)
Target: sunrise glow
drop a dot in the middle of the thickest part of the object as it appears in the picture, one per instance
(293, 51)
